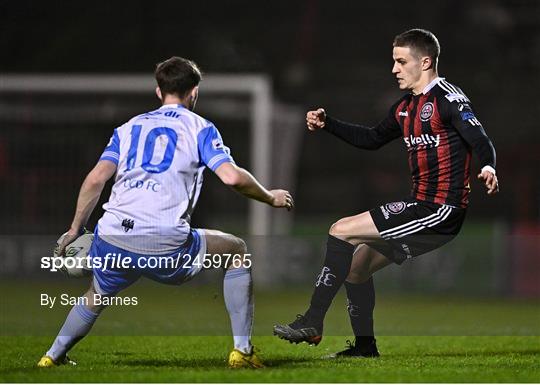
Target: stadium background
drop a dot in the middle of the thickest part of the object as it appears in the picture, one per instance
(316, 53)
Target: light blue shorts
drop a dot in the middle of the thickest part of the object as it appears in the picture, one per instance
(172, 269)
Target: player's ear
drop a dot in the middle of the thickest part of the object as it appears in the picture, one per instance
(158, 93)
(194, 93)
(427, 63)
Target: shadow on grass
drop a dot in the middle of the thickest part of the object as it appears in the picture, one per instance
(122, 354)
(194, 363)
(477, 353)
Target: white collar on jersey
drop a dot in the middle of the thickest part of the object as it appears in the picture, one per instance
(433, 83)
(171, 106)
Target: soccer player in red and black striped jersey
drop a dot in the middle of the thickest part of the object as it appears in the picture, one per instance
(440, 130)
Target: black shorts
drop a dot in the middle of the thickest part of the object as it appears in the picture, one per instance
(411, 227)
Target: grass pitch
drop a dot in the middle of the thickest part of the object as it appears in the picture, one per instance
(202, 359)
(182, 335)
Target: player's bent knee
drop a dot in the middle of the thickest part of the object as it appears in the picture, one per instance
(335, 229)
(358, 278)
(235, 245)
(241, 247)
(341, 229)
(92, 304)
(238, 251)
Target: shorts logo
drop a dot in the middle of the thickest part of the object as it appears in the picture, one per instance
(426, 112)
(406, 249)
(395, 207)
(385, 213)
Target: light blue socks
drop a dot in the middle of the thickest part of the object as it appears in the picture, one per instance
(78, 323)
(238, 294)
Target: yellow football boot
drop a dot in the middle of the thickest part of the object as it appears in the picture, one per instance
(48, 362)
(238, 359)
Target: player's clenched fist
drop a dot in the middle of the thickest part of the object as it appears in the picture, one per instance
(316, 119)
(282, 198)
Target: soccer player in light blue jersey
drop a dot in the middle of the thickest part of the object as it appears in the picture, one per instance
(158, 159)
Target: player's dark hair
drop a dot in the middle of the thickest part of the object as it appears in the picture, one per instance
(422, 41)
(177, 76)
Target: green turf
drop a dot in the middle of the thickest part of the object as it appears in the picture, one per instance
(422, 339)
(202, 359)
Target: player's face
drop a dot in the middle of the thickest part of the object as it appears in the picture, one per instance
(407, 68)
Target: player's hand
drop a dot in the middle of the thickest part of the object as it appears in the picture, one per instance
(70, 237)
(490, 180)
(316, 119)
(282, 198)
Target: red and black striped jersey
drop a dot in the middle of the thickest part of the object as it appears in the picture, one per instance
(440, 130)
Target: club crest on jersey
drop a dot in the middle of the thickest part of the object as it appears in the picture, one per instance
(128, 224)
(427, 112)
(395, 207)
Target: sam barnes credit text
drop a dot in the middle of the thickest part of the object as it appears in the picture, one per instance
(67, 300)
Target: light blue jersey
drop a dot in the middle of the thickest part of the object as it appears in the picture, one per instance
(161, 156)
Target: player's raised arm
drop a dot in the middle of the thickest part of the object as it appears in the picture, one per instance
(88, 197)
(368, 138)
(246, 184)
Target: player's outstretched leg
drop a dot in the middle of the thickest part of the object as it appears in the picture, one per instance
(78, 323)
(342, 239)
(238, 295)
(309, 327)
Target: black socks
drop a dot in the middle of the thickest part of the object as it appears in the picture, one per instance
(360, 305)
(337, 265)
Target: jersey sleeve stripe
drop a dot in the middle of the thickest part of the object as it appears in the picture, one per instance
(115, 161)
(453, 92)
(446, 88)
(111, 154)
(450, 86)
(218, 158)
